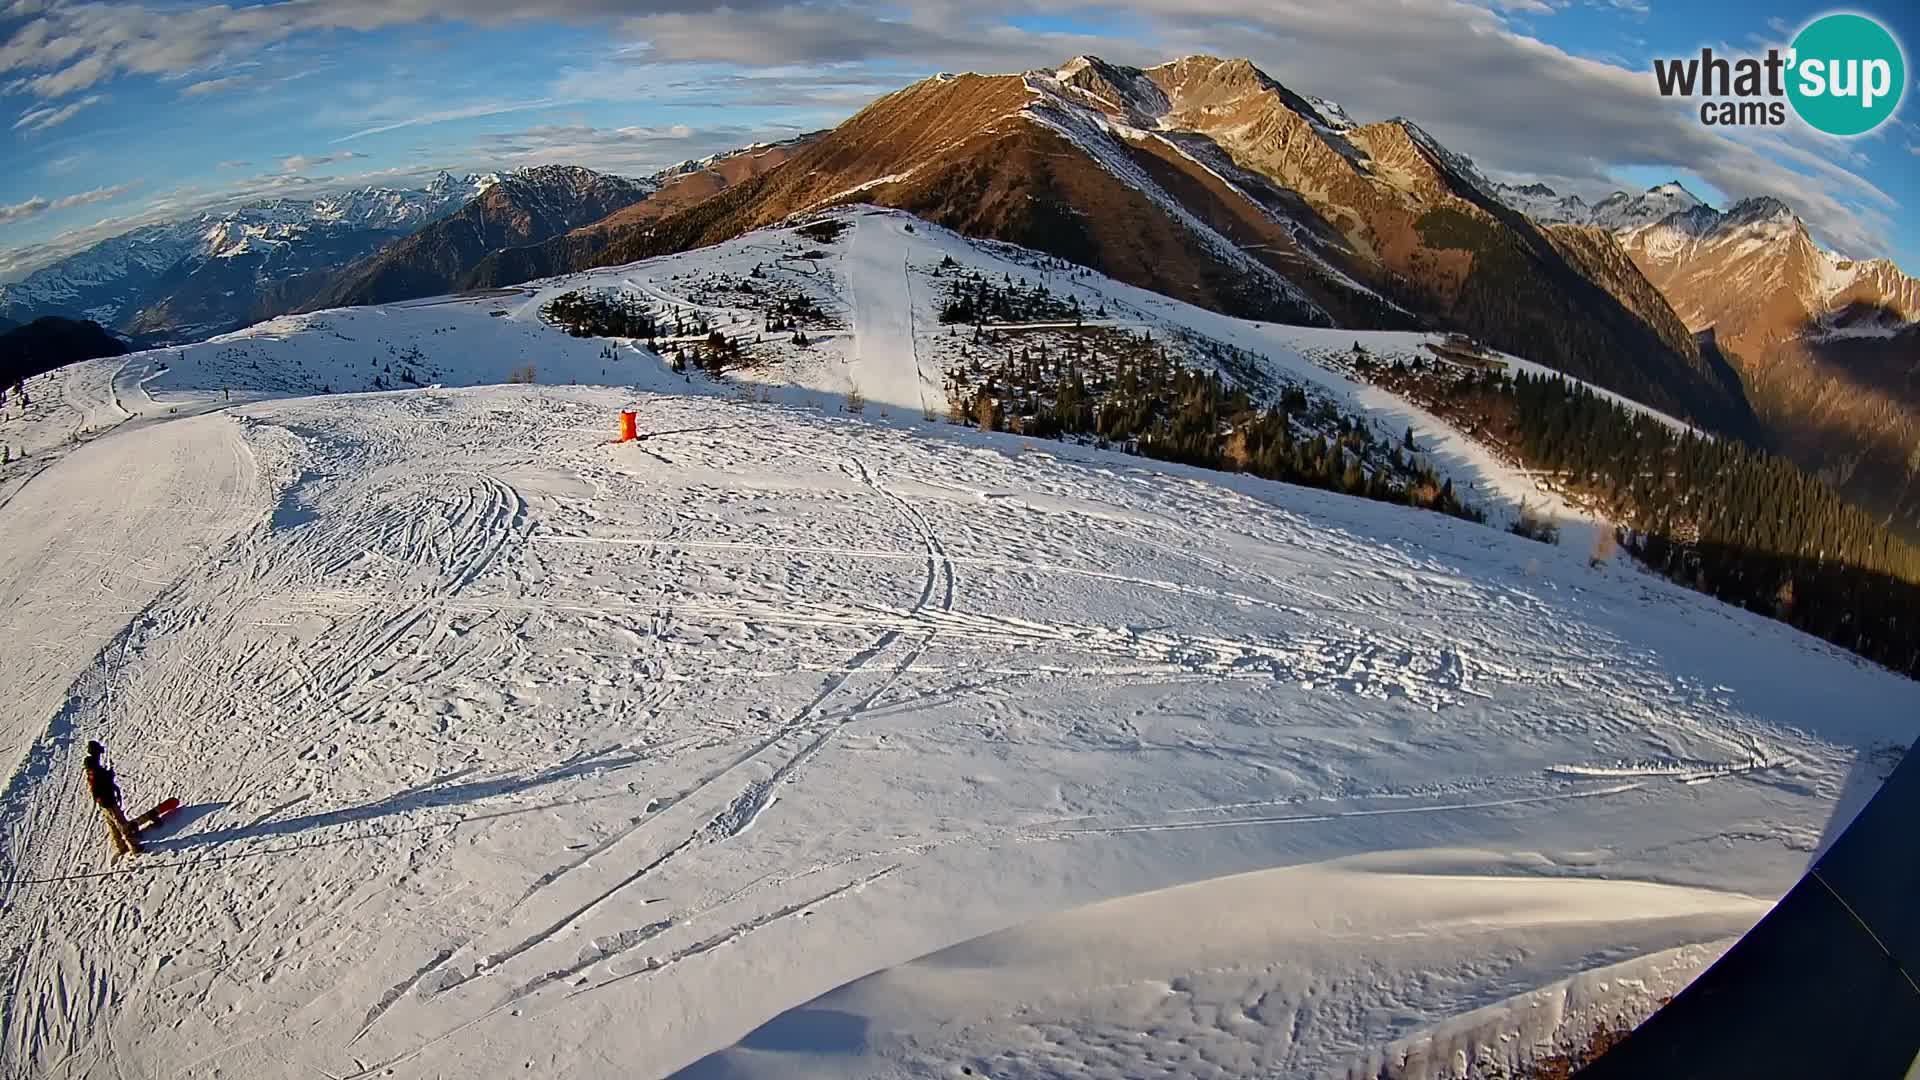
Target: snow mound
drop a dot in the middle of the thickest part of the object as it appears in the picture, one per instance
(1256, 974)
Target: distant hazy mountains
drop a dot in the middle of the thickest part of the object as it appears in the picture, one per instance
(1619, 210)
(521, 208)
(188, 279)
(213, 272)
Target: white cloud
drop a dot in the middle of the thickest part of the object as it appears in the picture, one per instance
(72, 46)
(302, 162)
(1518, 105)
(214, 86)
(44, 117)
(40, 204)
(33, 207)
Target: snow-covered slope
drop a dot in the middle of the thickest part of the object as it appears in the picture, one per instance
(511, 749)
(885, 277)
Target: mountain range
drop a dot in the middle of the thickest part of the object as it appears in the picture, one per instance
(1207, 180)
(210, 272)
(529, 207)
(1827, 346)
(1203, 179)
(520, 208)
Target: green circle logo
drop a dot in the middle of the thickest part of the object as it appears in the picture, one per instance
(1847, 74)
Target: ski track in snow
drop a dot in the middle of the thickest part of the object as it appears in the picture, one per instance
(502, 744)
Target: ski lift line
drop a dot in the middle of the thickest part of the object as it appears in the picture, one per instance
(1862, 923)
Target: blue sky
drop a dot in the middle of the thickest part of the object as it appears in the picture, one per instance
(119, 114)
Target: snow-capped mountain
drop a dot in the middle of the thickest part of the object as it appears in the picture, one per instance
(1543, 204)
(1618, 211)
(1825, 343)
(1711, 262)
(1757, 259)
(1208, 180)
(1336, 116)
(524, 206)
(713, 161)
(104, 280)
(1622, 211)
(215, 270)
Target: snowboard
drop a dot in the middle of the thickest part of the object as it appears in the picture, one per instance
(155, 816)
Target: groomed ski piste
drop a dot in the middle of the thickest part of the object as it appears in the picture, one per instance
(788, 741)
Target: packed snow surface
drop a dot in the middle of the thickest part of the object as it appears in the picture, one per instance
(785, 741)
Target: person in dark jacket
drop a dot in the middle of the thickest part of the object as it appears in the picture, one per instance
(106, 795)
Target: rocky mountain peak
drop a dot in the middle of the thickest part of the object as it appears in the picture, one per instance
(1759, 210)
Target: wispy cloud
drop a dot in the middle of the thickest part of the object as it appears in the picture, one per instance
(302, 162)
(236, 164)
(39, 204)
(215, 86)
(443, 116)
(73, 46)
(629, 151)
(44, 117)
(1523, 106)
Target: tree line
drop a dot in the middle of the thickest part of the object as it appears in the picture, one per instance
(1741, 524)
(1149, 404)
(587, 313)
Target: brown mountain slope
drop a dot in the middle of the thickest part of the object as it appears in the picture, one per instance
(1209, 181)
(697, 185)
(959, 151)
(1827, 347)
(1426, 220)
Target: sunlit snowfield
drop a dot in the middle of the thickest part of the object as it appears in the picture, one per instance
(509, 749)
